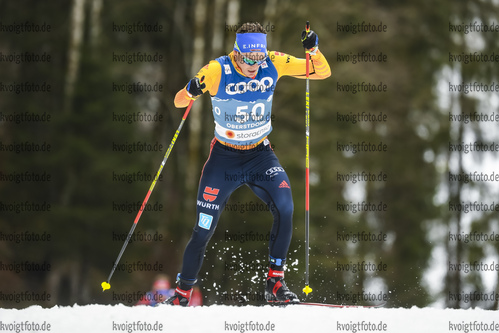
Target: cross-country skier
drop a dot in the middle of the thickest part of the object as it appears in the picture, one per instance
(241, 86)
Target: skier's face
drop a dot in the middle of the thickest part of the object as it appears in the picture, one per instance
(249, 62)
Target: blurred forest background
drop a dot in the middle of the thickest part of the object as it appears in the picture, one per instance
(86, 190)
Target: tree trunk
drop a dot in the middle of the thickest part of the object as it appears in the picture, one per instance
(217, 42)
(233, 8)
(270, 14)
(95, 26)
(195, 113)
(76, 37)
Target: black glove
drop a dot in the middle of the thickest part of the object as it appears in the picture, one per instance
(195, 86)
(309, 40)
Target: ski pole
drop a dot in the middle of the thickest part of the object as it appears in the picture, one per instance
(307, 288)
(105, 285)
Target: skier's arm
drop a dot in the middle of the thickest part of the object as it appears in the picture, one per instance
(289, 65)
(211, 73)
(318, 67)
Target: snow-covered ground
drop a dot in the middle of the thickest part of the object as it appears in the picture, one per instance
(220, 318)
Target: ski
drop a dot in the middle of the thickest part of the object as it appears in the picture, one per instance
(340, 305)
(244, 301)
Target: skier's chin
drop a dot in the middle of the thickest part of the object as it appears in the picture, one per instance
(251, 72)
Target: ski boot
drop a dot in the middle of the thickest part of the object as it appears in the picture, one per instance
(181, 297)
(182, 293)
(276, 290)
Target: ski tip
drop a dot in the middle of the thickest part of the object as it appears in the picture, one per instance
(307, 290)
(105, 286)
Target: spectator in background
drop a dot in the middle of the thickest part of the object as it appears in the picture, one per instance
(161, 291)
